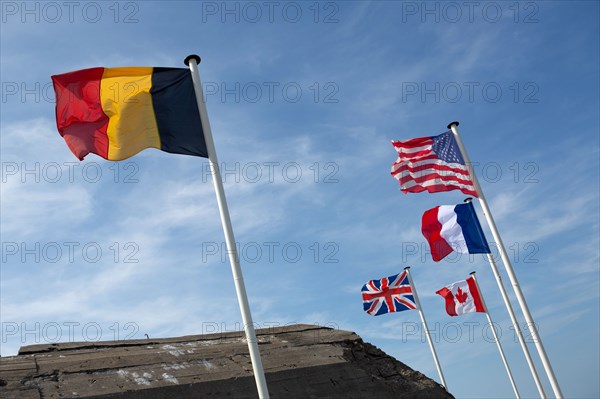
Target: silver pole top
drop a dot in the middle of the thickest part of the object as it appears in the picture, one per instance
(455, 123)
(190, 57)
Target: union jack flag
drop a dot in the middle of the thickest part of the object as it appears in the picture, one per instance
(388, 295)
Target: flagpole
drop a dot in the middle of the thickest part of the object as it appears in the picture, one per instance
(509, 269)
(435, 358)
(259, 375)
(489, 318)
(515, 322)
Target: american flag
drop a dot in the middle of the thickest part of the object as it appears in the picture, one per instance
(431, 163)
(388, 295)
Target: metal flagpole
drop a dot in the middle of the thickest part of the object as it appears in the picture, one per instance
(509, 269)
(435, 358)
(515, 323)
(259, 375)
(489, 318)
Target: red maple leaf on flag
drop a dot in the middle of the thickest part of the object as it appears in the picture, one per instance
(461, 296)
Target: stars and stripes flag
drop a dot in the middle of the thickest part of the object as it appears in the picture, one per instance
(431, 163)
(388, 295)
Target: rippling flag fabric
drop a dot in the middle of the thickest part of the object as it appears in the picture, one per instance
(431, 164)
(118, 112)
(388, 295)
(462, 297)
(450, 228)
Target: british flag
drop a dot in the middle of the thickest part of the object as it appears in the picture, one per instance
(388, 295)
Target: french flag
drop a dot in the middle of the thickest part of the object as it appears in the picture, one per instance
(450, 228)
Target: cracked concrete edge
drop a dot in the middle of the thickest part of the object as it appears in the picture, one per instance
(276, 330)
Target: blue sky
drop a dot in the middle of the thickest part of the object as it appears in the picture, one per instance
(304, 98)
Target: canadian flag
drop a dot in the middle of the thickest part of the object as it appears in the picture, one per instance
(462, 297)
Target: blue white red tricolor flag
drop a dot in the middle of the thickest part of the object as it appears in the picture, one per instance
(450, 228)
(388, 295)
(462, 297)
(431, 163)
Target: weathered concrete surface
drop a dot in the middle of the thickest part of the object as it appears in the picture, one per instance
(301, 361)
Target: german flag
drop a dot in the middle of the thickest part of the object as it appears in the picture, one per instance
(118, 112)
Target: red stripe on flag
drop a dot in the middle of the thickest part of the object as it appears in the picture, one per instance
(79, 115)
(406, 303)
(449, 297)
(389, 301)
(386, 292)
(419, 155)
(432, 229)
(432, 175)
(372, 308)
(373, 286)
(413, 167)
(412, 143)
(436, 188)
(475, 294)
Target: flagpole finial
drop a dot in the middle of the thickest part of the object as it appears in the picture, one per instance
(455, 123)
(407, 267)
(468, 199)
(472, 273)
(190, 57)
